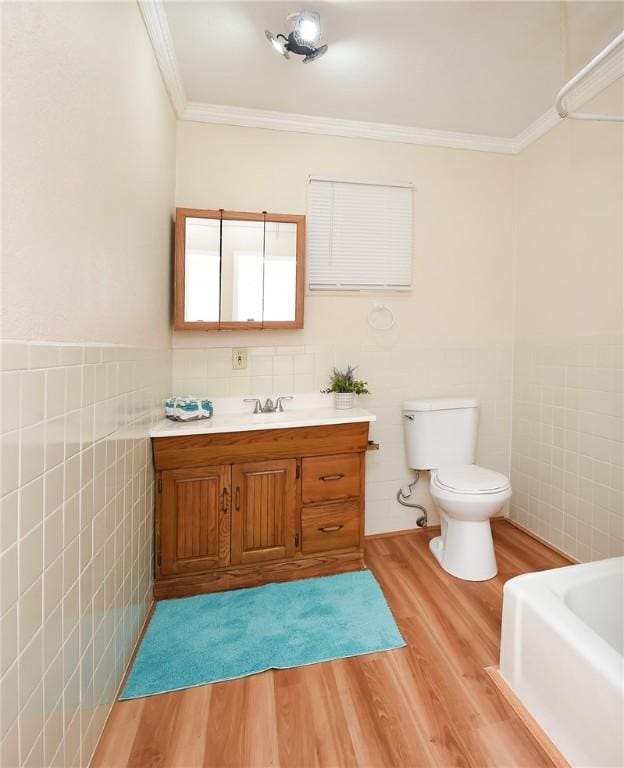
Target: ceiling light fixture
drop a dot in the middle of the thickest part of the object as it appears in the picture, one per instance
(303, 38)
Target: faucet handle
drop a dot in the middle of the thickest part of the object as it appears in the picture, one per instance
(258, 404)
(278, 403)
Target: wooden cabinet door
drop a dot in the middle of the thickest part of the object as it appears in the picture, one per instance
(194, 520)
(264, 503)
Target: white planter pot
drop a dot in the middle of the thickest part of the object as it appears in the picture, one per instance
(344, 400)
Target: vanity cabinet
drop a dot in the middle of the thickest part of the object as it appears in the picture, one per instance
(245, 508)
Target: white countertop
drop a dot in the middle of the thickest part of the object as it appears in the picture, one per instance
(247, 422)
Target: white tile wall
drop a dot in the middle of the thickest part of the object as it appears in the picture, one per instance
(568, 443)
(75, 539)
(394, 374)
(76, 519)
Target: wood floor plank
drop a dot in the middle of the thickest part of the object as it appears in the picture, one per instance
(224, 746)
(332, 739)
(507, 744)
(296, 741)
(155, 732)
(422, 695)
(259, 723)
(431, 704)
(189, 745)
(406, 738)
(368, 736)
(116, 743)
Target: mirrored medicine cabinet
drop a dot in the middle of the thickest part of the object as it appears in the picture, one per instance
(237, 271)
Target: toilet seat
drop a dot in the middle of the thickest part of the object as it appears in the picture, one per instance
(470, 479)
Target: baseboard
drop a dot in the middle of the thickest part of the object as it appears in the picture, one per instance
(406, 531)
(124, 677)
(547, 544)
(256, 574)
(527, 719)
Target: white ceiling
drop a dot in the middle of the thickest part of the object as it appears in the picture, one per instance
(489, 68)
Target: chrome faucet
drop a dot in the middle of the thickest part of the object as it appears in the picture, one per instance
(269, 406)
(278, 403)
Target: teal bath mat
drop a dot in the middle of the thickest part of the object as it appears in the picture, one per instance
(205, 639)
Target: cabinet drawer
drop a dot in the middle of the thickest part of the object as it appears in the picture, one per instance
(331, 477)
(332, 526)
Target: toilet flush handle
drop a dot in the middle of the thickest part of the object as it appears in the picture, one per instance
(409, 416)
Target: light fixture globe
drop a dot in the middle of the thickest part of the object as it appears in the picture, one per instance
(303, 38)
(306, 27)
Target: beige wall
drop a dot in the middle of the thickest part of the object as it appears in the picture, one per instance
(454, 330)
(88, 177)
(568, 408)
(463, 267)
(88, 173)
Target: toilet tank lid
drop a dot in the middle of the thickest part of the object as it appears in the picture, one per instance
(440, 404)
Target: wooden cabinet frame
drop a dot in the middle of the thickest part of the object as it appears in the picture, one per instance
(180, 324)
(333, 511)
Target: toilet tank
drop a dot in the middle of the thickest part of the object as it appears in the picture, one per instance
(440, 431)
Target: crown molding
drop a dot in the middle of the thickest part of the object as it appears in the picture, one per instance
(331, 126)
(155, 20)
(536, 130)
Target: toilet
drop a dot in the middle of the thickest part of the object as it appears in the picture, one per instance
(441, 436)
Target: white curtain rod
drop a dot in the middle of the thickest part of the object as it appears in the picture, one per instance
(560, 106)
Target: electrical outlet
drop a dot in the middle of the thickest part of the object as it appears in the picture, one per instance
(239, 359)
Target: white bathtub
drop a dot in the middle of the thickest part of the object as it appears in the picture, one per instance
(562, 652)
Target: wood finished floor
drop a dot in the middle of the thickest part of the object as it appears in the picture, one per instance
(430, 704)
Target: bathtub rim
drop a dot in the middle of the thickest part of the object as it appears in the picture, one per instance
(544, 593)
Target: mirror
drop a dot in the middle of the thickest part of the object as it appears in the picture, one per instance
(242, 249)
(201, 273)
(238, 270)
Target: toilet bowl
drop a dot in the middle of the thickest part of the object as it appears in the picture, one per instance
(467, 496)
(441, 436)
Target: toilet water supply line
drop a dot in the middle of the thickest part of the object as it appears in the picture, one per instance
(404, 493)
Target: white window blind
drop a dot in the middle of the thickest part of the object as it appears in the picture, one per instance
(359, 236)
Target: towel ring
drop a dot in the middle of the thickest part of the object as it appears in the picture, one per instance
(375, 311)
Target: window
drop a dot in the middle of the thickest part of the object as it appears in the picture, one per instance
(359, 236)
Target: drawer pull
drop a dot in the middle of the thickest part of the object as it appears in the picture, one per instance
(330, 528)
(326, 478)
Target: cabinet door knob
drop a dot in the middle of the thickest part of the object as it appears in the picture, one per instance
(326, 478)
(224, 500)
(237, 502)
(330, 528)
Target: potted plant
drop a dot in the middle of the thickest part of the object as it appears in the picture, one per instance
(345, 387)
